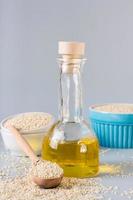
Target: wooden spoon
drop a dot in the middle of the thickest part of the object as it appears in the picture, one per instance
(42, 182)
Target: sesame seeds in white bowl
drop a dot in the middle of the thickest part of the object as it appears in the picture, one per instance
(33, 126)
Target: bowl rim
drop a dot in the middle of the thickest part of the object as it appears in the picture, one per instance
(34, 131)
(93, 106)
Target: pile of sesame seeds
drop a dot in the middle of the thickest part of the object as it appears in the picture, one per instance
(70, 188)
(29, 121)
(46, 169)
(115, 108)
(103, 187)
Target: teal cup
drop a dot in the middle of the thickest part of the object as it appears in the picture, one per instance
(112, 130)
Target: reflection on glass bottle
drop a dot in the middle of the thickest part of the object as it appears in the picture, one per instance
(70, 141)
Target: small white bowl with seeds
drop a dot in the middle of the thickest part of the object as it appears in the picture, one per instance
(32, 125)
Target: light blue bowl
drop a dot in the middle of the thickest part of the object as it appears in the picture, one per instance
(112, 130)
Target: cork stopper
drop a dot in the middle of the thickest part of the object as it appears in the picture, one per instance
(75, 49)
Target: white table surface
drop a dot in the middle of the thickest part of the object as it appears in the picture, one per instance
(116, 170)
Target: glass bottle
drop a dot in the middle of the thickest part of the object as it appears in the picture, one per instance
(70, 142)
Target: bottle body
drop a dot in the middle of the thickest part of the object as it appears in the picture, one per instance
(70, 141)
(73, 148)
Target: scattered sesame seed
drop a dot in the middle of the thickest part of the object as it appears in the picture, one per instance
(15, 183)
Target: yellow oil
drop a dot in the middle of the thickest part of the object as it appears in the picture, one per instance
(77, 158)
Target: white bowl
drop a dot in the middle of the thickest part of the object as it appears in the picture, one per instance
(34, 138)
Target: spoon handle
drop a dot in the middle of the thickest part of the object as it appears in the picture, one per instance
(23, 144)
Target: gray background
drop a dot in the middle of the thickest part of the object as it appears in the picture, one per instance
(29, 32)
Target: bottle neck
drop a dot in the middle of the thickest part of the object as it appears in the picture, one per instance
(70, 90)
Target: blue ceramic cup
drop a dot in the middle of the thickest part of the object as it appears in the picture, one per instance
(112, 130)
